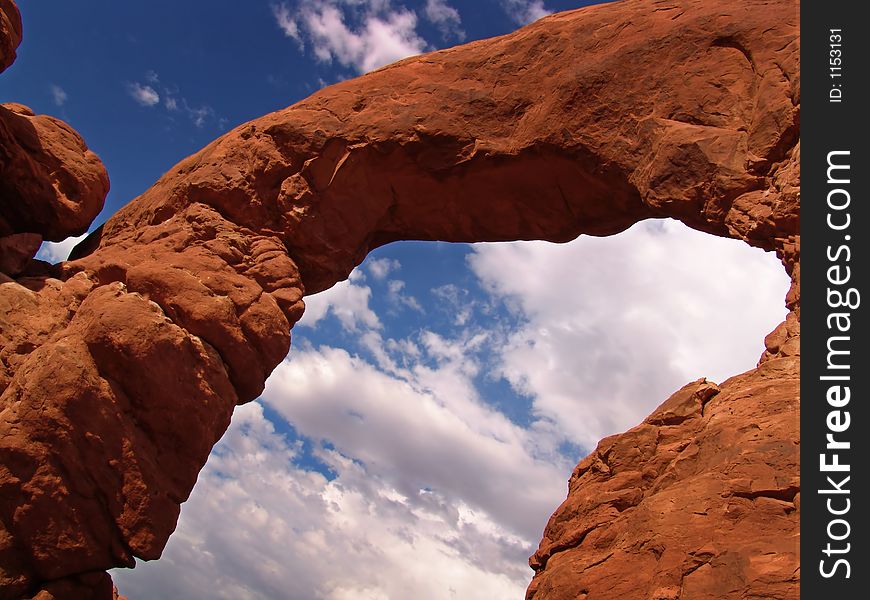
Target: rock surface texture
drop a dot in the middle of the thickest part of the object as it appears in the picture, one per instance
(120, 369)
(50, 183)
(10, 33)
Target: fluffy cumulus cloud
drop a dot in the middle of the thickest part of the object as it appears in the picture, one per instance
(616, 324)
(525, 11)
(359, 34)
(421, 427)
(286, 22)
(379, 268)
(422, 460)
(55, 252)
(257, 526)
(348, 301)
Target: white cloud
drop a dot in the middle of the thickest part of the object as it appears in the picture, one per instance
(154, 91)
(145, 95)
(381, 267)
(421, 428)
(199, 115)
(362, 34)
(617, 324)
(434, 492)
(257, 526)
(397, 298)
(58, 95)
(347, 300)
(525, 11)
(285, 22)
(55, 252)
(445, 17)
(455, 300)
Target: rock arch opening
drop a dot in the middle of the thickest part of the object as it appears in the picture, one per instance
(434, 404)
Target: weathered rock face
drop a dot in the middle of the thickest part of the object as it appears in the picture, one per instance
(121, 368)
(10, 32)
(699, 501)
(50, 182)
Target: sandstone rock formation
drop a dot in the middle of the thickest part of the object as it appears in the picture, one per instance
(10, 32)
(121, 368)
(50, 182)
(699, 501)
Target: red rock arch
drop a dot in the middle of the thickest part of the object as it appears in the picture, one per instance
(123, 366)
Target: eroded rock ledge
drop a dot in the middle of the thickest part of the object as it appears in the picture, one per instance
(120, 369)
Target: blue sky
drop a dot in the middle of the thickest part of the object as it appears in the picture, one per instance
(425, 423)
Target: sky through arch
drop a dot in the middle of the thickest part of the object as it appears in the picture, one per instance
(425, 423)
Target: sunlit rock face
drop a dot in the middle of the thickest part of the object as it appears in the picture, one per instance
(121, 368)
